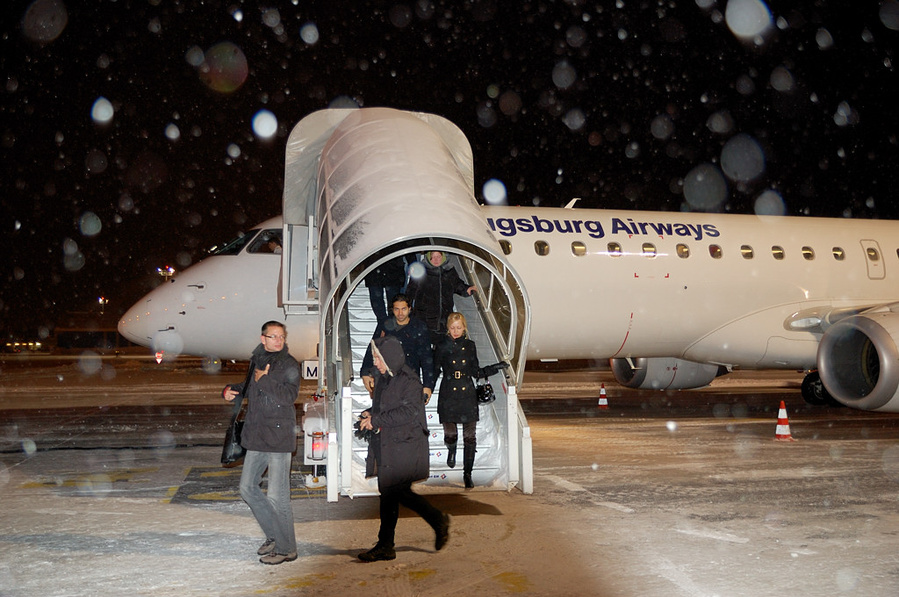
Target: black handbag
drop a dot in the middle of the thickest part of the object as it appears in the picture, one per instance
(485, 392)
(232, 451)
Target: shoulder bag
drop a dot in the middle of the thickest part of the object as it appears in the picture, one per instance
(232, 451)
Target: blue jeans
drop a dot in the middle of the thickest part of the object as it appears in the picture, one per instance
(272, 511)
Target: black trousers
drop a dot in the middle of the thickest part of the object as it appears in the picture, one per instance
(391, 498)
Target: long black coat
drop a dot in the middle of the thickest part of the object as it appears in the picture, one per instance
(458, 360)
(398, 453)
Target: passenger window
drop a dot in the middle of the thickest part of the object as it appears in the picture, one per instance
(873, 255)
(506, 246)
(839, 254)
(715, 251)
(778, 252)
(808, 253)
(541, 247)
(614, 249)
(649, 250)
(578, 249)
(683, 251)
(747, 252)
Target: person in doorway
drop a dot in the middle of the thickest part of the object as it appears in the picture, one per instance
(270, 438)
(398, 447)
(456, 358)
(415, 339)
(432, 293)
(385, 281)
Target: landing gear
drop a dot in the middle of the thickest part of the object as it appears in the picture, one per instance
(814, 392)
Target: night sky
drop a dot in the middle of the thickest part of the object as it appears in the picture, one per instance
(614, 102)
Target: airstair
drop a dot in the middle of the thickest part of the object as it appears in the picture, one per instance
(491, 468)
(363, 187)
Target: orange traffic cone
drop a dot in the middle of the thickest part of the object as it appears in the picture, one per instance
(603, 401)
(782, 434)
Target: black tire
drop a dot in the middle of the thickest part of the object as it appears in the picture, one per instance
(813, 390)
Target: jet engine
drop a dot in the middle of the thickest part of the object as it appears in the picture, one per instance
(664, 373)
(858, 361)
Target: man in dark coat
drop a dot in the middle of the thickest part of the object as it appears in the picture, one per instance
(413, 335)
(432, 293)
(270, 438)
(398, 448)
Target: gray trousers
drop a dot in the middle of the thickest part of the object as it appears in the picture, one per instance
(272, 511)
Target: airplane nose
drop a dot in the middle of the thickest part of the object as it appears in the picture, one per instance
(134, 325)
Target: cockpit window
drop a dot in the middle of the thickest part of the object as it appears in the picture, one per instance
(233, 247)
(267, 242)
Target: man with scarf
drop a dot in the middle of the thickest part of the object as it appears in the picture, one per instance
(269, 436)
(398, 447)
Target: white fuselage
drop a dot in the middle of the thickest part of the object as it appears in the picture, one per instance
(704, 287)
(601, 284)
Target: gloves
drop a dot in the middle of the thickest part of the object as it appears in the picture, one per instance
(363, 434)
(492, 369)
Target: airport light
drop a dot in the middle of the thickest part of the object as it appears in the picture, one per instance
(166, 272)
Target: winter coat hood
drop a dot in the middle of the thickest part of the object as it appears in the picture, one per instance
(391, 352)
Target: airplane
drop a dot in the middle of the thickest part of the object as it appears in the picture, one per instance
(672, 300)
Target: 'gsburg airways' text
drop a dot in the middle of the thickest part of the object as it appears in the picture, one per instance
(595, 229)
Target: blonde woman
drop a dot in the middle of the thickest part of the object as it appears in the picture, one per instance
(457, 358)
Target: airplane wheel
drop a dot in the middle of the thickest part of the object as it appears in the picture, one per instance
(814, 392)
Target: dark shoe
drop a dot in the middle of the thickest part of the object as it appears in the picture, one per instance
(442, 532)
(468, 482)
(266, 548)
(378, 552)
(274, 559)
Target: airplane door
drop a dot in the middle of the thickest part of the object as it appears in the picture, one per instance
(873, 259)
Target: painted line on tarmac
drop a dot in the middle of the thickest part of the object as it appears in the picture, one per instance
(89, 480)
(209, 484)
(574, 487)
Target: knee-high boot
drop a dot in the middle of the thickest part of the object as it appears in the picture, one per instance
(468, 457)
(451, 455)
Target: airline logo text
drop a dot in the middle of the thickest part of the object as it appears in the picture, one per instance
(595, 229)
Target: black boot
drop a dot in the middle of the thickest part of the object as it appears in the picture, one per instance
(468, 456)
(451, 455)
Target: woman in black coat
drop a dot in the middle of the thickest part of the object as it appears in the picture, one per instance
(398, 448)
(457, 358)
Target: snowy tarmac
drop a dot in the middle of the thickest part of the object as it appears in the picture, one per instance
(110, 485)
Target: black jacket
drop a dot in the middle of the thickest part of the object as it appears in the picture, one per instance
(390, 273)
(398, 453)
(271, 421)
(416, 343)
(432, 295)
